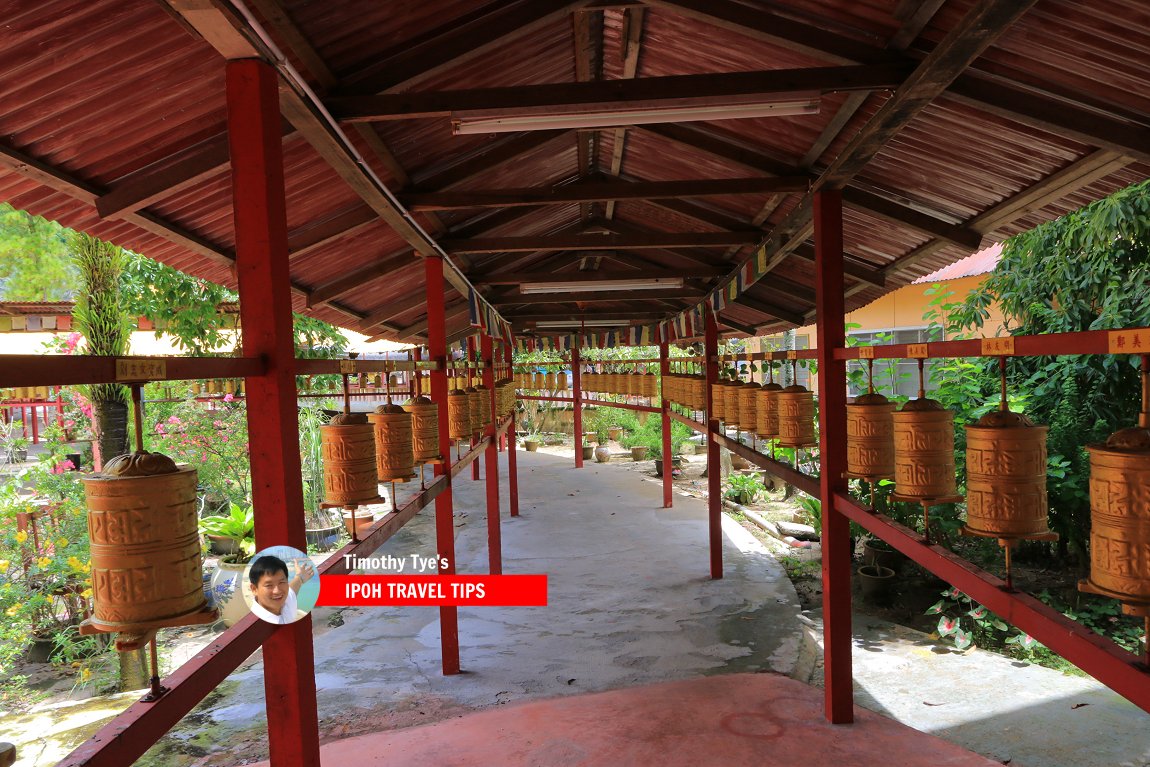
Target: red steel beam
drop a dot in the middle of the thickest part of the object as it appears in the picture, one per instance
(830, 309)
(665, 415)
(804, 482)
(260, 212)
(42, 370)
(512, 470)
(714, 480)
(444, 526)
(491, 460)
(1110, 664)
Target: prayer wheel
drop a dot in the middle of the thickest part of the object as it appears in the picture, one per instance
(767, 411)
(348, 448)
(731, 403)
(924, 450)
(145, 544)
(474, 410)
(870, 437)
(480, 407)
(1120, 519)
(1006, 477)
(561, 380)
(698, 393)
(796, 415)
(552, 383)
(718, 402)
(458, 414)
(748, 398)
(650, 385)
(424, 429)
(394, 451)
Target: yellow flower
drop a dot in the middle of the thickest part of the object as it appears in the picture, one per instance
(4, 566)
(14, 609)
(86, 593)
(75, 564)
(88, 568)
(85, 675)
(43, 562)
(21, 536)
(62, 542)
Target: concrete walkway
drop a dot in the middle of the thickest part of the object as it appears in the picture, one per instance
(1015, 713)
(631, 602)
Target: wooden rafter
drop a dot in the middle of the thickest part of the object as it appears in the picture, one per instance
(357, 278)
(632, 36)
(656, 240)
(602, 191)
(599, 275)
(644, 92)
(611, 296)
(769, 309)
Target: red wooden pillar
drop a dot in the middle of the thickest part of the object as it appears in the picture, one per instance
(444, 527)
(254, 130)
(491, 461)
(512, 471)
(665, 414)
(714, 471)
(577, 404)
(831, 334)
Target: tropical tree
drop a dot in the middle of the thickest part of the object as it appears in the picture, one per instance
(1088, 270)
(99, 315)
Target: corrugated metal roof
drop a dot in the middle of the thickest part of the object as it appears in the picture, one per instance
(982, 262)
(100, 91)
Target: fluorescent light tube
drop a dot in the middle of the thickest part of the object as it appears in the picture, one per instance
(650, 283)
(543, 324)
(502, 121)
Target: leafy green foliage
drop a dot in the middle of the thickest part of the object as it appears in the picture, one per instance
(238, 525)
(744, 488)
(179, 305)
(35, 262)
(99, 315)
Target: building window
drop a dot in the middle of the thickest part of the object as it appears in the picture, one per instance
(897, 376)
(783, 372)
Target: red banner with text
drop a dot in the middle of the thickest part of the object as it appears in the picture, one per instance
(433, 590)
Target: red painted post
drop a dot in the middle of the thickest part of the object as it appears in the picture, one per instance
(512, 471)
(577, 404)
(471, 354)
(254, 131)
(714, 478)
(831, 334)
(35, 426)
(491, 462)
(444, 526)
(665, 408)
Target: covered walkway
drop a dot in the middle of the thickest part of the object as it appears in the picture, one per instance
(631, 602)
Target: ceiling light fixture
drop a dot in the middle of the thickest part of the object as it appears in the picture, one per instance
(651, 283)
(630, 113)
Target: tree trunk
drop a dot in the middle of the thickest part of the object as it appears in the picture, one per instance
(112, 418)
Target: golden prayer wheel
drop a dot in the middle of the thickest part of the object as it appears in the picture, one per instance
(1120, 519)
(748, 397)
(796, 415)
(767, 411)
(145, 545)
(348, 448)
(870, 437)
(650, 385)
(550, 381)
(561, 380)
(474, 412)
(731, 402)
(458, 414)
(424, 429)
(229, 386)
(1006, 477)
(924, 450)
(480, 398)
(394, 451)
(718, 401)
(539, 381)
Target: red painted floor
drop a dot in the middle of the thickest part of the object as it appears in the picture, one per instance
(730, 720)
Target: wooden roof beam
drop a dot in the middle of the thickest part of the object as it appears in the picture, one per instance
(567, 314)
(357, 278)
(606, 296)
(1062, 114)
(645, 92)
(769, 309)
(632, 39)
(599, 275)
(652, 240)
(851, 267)
(602, 191)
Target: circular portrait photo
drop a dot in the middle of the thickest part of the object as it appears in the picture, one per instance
(280, 584)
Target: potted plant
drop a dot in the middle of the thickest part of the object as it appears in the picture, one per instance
(639, 452)
(588, 452)
(602, 454)
(676, 466)
(321, 528)
(238, 526)
(614, 433)
(531, 442)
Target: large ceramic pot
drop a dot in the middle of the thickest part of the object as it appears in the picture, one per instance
(530, 445)
(881, 554)
(675, 464)
(602, 454)
(875, 583)
(639, 452)
(231, 598)
(588, 452)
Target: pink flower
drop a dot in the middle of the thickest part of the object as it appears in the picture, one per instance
(228, 397)
(72, 340)
(66, 465)
(160, 429)
(69, 423)
(174, 419)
